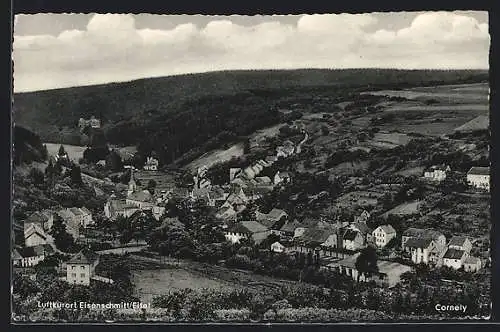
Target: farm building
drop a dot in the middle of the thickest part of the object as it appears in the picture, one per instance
(479, 177)
(247, 229)
(31, 256)
(277, 247)
(389, 273)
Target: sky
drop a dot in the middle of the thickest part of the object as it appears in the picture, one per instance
(64, 50)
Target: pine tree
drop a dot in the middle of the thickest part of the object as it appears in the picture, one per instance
(61, 152)
(62, 239)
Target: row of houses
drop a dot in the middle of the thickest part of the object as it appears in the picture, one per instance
(38, 225)
(477, 177)
(428, 246)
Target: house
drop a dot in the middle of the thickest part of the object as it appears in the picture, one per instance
(429, 233)
(421, 249)
(44, 219)
(35, 235)
(281, 177)
(116, 207)
(101, 163)
(383, 234)
(352, 239)
(479, 177)
(472, 264)
(292, 229)
(388, 275)
(363, 217)
(437, 172)
(322, 239)
(363, 229)
(151, 164)
(82, 215)
(247, 229)
(460, 243)
(93, 122)
(274, 215)
(17, 258)
(226, 212)
(277, 247)
(31, 256)
(454, 258)
(81, 268)
(141, 199)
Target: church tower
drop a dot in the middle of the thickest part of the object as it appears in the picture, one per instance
(132, 186)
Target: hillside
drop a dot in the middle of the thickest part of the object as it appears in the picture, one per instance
(174, 115)
(27, 147)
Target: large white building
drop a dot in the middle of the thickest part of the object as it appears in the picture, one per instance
(479, 177)
(383, 234)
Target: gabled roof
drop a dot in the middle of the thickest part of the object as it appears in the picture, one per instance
(141, 196)
(350, 235)
(38, 250)
(479, 171)
(418, 242)
(85, 210)
(458, 241)
(291, 226)
(248, 227)
(363, 228)
(388, 229)
(16, 254)
(318, 234)
(76, 211)
(454, 254)
(263, 179)
(32, 229)
(66, 214)
(437, 168)
(83, 257)
(422, 233)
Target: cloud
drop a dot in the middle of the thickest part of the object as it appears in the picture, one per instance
(111, 47)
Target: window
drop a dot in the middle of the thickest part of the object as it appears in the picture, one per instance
(82, 275)
(73, 275)
(82, 266)
(72, 267)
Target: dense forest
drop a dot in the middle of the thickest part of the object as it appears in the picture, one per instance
(27, 146)
(191, 114)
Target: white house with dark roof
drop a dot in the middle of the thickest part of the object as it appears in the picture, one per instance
(247, 229)
(428, 233)
(383, 234)
(454, 258)
(31, 256)
(421, 249)
(278, 247)
(479, 177)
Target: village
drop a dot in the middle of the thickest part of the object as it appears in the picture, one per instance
(336, 242)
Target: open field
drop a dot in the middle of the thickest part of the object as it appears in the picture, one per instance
(164, 180)
(211, 158)
(195, 275)
(405, 209)
(75, 152)
(456, 94)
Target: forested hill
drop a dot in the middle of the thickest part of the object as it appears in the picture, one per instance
(27, 147)
(178, 113)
